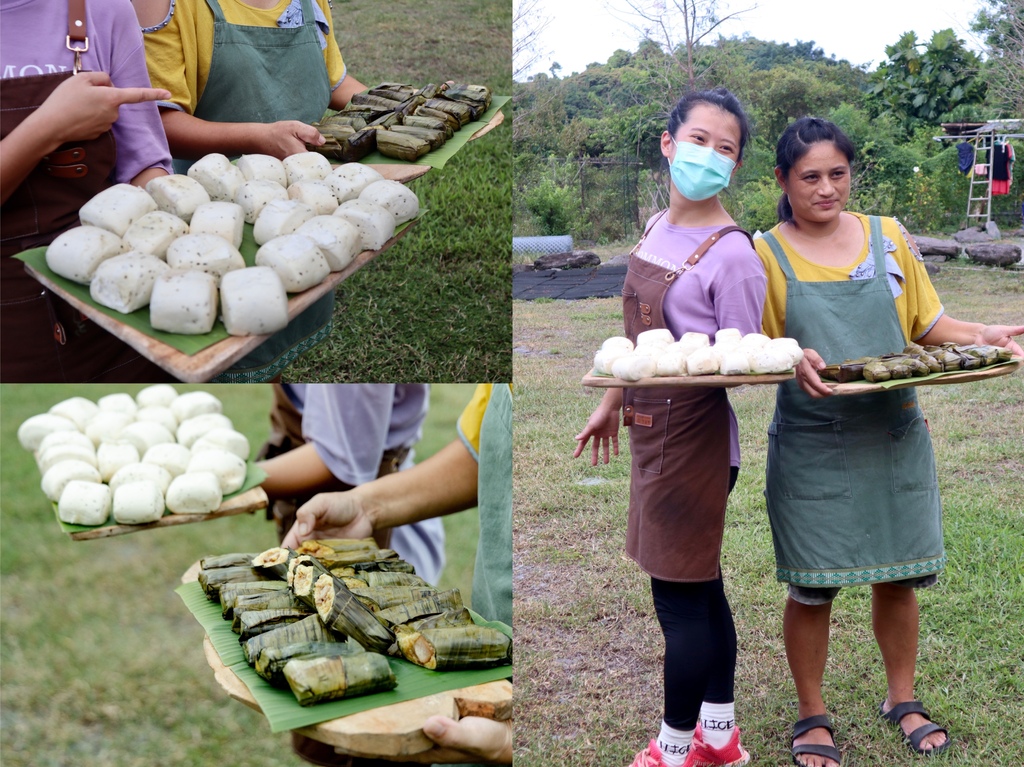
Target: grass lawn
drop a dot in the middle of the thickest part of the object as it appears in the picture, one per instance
(589, 648)
(437, 305)
(102, 663)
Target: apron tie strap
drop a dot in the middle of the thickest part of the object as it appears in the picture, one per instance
(77, 32)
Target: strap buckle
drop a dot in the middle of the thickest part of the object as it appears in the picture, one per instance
(78, 53)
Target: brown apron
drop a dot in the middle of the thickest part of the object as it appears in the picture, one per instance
(43, 338)
(679, 441)
(285, 435)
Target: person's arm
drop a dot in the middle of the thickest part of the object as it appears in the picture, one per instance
(94, 102)
(603, 426)
(443, 484)
(299, 472)
(349, 87)
(949, 330)
(191, 137)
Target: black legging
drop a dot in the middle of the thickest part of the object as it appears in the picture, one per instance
(700, 646)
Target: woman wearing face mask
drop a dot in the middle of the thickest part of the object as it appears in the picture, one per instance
(684, 441)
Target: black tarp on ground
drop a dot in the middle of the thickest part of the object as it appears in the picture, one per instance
(569, 284)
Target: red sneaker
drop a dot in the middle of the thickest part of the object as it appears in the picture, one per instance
(649, 757)
(703, 755)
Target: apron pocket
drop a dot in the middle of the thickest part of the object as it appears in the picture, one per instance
(808, 461)
(647, 434)
(913, 461)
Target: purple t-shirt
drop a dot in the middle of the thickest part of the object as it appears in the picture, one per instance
(33, 41)
(726, 288)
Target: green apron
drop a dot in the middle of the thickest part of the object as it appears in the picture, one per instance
(851, 486)
(492, 574)
(267, 74)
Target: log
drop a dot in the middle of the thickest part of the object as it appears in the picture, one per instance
(994, 253)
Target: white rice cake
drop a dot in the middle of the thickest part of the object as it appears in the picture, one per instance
(263, 167)
(58, 475)
(193, 428)
(154, 232)
(111, 456)
(177, 194)
(84, 503)
(116, 208)
(184, 301)
(253, 301)
(170, 456)
(77, 409)
(137, 503)
(218, 176)
(137, 472)
(35, 428)
(224, 219)
(376, 225)
(54, 454)
(160, 414)
(279, 217)
(228, 467)
(157, 394)
(124, 283)
(106, 425)
(227, 439)
(351, 178)
(296, 259)
(337, 237)
(76, 253)
(206, 253)
(395, 197)
(316, 194)
(144, 434)
(306, 166)
(254, 194)
(196, 492)
(193, 403)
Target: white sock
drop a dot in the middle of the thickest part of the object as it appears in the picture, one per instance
(717, 721)
(674, 745)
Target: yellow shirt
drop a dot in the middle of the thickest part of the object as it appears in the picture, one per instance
(918, 305)
(472, 418)
(178, 53)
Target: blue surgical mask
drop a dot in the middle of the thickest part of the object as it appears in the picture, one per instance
(699, 172)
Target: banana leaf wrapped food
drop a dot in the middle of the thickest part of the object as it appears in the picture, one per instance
(447, 619)
(282, 599)
(340, 611)
(270, 661)
(230, 592)
(255, 622)
(313, 680)
(429, 605)
(215, 561)
(321, 546)
(310, 629)
(379, 598)
(459, 647)
(274, 561)
(213, 580)
(376, 578)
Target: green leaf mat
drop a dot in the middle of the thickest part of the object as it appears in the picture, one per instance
(254, 477)
(438, 157)
(280, 707)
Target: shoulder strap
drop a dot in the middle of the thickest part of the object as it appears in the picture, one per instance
(650, 226)
(78, 39)
(704, 247)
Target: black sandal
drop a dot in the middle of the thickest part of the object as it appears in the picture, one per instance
(806, 725)
(895, 716)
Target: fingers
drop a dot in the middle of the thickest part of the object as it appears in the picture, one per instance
(138, 95)
(473, 736)
(581, 443)
(307, 519)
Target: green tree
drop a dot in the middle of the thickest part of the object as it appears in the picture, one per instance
(920, 87)
(1002, 24)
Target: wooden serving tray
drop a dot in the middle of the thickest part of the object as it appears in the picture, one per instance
(250, 501)
(390, 731)
(937, 379)
(715, 381)
(218, 357)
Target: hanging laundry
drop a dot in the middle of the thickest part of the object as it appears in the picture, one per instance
(1002, 168)
(965, 156)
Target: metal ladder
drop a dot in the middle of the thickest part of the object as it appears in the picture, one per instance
(979, 195)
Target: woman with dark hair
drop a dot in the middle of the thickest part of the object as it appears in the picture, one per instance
(684, 441)
(851, 486)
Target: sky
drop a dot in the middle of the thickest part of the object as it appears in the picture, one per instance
(581, 32)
